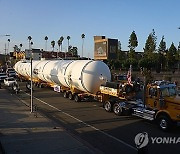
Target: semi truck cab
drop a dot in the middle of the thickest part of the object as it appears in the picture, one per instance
(161, 104)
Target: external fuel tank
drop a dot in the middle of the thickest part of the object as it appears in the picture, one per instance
(84, 75)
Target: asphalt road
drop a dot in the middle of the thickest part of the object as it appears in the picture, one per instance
(99, 129)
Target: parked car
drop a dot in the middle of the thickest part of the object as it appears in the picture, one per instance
(11, 72)
(2, 76)
(9, 81)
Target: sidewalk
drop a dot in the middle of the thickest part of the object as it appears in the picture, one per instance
(21, 132)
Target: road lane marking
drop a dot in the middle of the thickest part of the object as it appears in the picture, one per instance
(86, 124)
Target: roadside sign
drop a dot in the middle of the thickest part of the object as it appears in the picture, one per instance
(57, 88)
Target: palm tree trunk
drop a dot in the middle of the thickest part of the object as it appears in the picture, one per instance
(29, 44)
(82, 46)
(46, 46)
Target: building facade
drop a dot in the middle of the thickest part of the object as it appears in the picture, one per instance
(37, 54)
(105, 48)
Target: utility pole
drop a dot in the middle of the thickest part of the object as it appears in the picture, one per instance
(30, 50)
(5, 50)
(31, 85)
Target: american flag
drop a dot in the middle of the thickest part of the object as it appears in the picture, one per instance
(129, 75)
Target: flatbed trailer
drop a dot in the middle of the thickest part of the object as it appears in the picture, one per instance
(161, 103)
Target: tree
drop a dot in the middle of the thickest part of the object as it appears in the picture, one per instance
(59, 44)
(73, 50)
(53, 44)
(130, 61)
(121, 57)
(29, 38)
(171, 56)
(162, 46)
(16, 49)
(8, 45)
(161, 54)
(150, 45)
(133, 43)
(178, 56)
(161, 59)
(82, 36)
(147, 63)
(20, 46)
(46, 38)
(68, 38)
(31, 44)
(149, 59)
(61, 38)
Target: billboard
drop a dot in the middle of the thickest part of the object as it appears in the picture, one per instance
(105, 48)
(100, 51)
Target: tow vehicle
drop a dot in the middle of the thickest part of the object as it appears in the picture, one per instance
(161, 103)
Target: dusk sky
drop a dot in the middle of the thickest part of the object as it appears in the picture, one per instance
(112, 18)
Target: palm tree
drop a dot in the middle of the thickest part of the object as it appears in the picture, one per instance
(31, 44)
(59, 44)
(53, 44)
(16, 49)
(68, 38)
(20, 46)
(61, 38)
(29, 38)
(82, 36)
(46, 38)
(8, 45)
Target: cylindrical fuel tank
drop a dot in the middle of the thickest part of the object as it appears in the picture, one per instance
(84, 75)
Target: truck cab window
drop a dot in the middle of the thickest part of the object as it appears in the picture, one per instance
(153, 92)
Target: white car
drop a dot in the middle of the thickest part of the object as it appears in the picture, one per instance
(2, 76)
(9, 81)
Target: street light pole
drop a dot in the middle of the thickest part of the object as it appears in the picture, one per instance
(30, 48)
(5, 43)
(31, 85)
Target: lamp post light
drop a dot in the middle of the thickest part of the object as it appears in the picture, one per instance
(5, 35)
(30, 49)
(5, 43)
(83, 37)
(31, 85)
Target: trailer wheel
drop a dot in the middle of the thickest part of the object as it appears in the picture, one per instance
(28, 86)
(65, 94)
(108, 106)
(117, 109)
(40, 85)
(71, 96)
(164, 122)
(77, 98)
